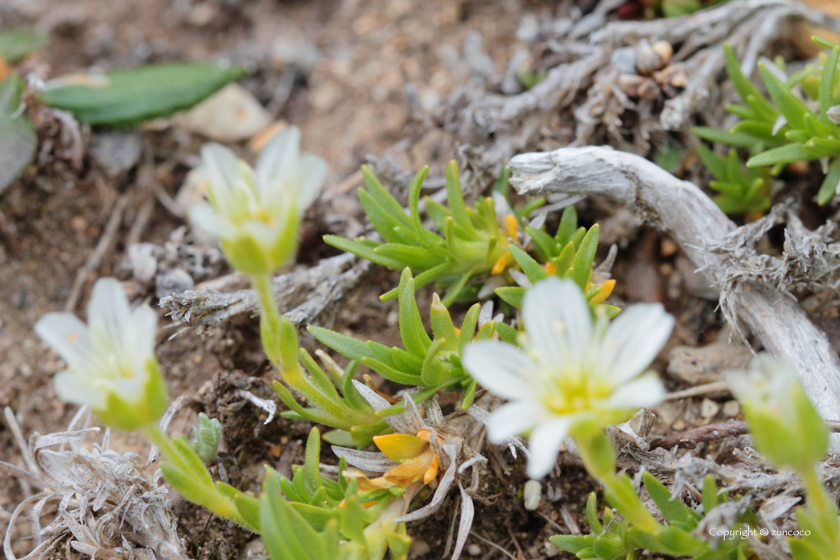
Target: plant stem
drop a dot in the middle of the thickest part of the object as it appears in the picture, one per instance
(821, 505)
(269, 319)
(599, 460)
(200, 489)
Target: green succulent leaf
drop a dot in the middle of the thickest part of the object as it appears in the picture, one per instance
(129, 97)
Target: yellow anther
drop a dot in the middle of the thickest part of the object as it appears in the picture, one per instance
(512, 225)
(606, 289)
(71, 338)
(503, 263)
(551, 268)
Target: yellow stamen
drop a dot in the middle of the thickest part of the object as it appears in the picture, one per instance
(262, 215)
(503, 263)
(457, 331)
(606, 289)
(71, 338)
(512, 225)
(551, 268)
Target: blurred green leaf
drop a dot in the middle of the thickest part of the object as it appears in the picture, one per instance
(16, 44)
(129, 97)
(17, 136)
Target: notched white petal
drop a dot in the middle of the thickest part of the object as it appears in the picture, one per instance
(501, 368)
(68, 336)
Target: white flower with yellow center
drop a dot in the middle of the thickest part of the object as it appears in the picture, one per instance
(571, 378)
(256, 213)
(111, 365)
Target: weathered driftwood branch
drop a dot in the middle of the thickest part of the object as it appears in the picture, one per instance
(694, 221)
(711, 432)
(306, 293)
(591, 55)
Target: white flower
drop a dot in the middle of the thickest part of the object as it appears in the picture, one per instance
(255, 213)
(111, 365)
(571, 377)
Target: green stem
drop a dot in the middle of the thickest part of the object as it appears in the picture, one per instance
(821, 504)
(167, 449)
(598, 457)
(269, 319)
(196, 487)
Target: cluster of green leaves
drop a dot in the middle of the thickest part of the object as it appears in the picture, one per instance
(741, 191)
(431, 363)
(471, 244)
(569, 254)
(334, 400)
(790, 131)
(617, 539)
(311, 517)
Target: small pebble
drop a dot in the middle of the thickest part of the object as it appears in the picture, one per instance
(709, 408)
(731, 409)
(474, 550)
(532, 495)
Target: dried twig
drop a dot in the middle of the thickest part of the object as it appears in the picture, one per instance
(92, 262)
(307, 292)
(694, 221)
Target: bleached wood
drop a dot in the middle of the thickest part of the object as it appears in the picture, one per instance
(693, 220)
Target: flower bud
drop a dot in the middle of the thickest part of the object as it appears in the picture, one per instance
(786, 427)
(207, 435)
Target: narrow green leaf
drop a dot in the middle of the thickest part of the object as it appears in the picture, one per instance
(793, 108)
(391, 373)
(347, 345)
(129, 97)
(384, 222)
(740, 140)
(585, 256)
(456, 201)
(384, 199)
(572, 543)
(710, 497)
(673, 510)
(827, 82)
(592, 514)
(713, 162)
(468, 327)
(416, 257)
(412, 331)
(744, 86)
(532, 269)
(512, 295)
(829, 184)
(364, 251)
(441, 321)
(784, 154)
(312, 458)
(456, 287)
